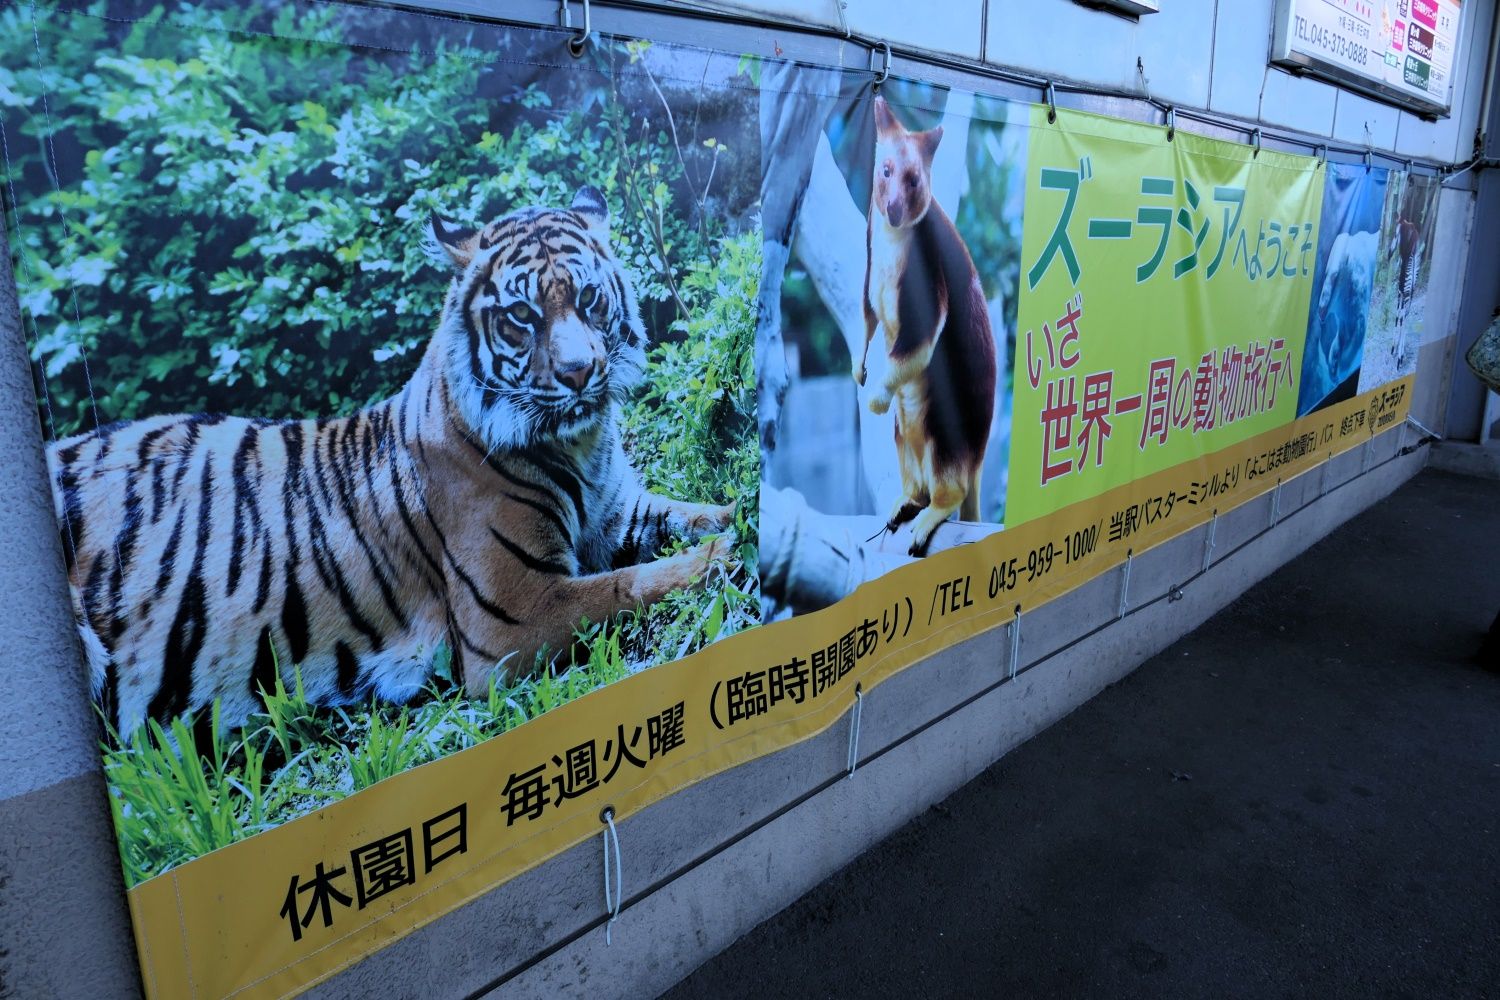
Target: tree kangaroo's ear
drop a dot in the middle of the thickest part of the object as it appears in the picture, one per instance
(451, 245)
(929, 142)
(590, 206)
(885, 119)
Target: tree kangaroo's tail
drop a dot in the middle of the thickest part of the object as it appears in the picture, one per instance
(969, 511)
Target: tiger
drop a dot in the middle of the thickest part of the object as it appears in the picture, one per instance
(489, 504)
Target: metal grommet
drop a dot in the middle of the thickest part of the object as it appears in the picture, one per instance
(578, 43)
(1369, 160)
(1171, 123)
(1051, 95)
(885, 69)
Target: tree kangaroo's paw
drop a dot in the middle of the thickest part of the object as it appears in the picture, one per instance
(920, 542)
(880, 402)
(906, 509)
(926, 523)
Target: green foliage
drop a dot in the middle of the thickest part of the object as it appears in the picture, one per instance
(236, 226)
(692, 433)
(239, 221)
(174, 800)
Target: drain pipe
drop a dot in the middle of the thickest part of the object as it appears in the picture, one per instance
(1487, 98)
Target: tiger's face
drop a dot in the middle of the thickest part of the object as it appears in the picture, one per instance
(542, 331)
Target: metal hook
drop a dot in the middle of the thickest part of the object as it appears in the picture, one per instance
(578, 43)
(1171, 123)
(1051, 95)
(1255, 141)
(1322, 151)
(1369, 160)
(885, 69)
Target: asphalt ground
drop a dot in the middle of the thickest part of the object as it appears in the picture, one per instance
(1299, 799)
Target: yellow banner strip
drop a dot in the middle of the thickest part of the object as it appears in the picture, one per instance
(223, 925)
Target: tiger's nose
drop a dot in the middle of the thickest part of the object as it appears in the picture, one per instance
(576, 375)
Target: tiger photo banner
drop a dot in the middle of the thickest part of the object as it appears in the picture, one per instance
(432, 412)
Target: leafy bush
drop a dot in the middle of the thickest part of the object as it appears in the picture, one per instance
(238, 225)
(225, 220)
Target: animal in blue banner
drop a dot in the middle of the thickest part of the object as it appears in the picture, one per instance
(1343, 306)
(1348, 252)
(922, 289)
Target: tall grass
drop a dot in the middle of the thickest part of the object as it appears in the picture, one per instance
(182, 791)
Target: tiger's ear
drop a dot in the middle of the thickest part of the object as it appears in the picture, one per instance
(589, 204)
(451, 245)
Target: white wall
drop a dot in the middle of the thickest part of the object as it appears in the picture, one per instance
(1205, 54)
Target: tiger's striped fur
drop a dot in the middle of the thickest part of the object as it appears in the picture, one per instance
(488, 504)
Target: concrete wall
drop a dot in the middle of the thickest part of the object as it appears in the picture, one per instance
(63, 926)
(1205, 54)
(704, 866)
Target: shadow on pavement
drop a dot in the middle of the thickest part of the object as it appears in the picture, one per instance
(1301, 798)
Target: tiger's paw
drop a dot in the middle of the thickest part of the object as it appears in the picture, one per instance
(880, 402)
(709, 560)
(711, 521)
(858, 371)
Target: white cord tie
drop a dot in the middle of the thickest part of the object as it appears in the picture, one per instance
(611, 900)
(854, 719)
(1423, 428)
(1015, 642)
(1276, 504)
(1208, 542)
(1125, 584)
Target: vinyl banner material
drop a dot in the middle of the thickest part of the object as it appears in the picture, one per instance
(1344, 279)
(460, 444)
(1403, 269)
(1163, 303)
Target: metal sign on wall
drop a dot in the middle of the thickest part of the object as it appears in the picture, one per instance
(1401, 51)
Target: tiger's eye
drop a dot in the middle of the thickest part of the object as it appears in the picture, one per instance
(521, 314)
(590, 301)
